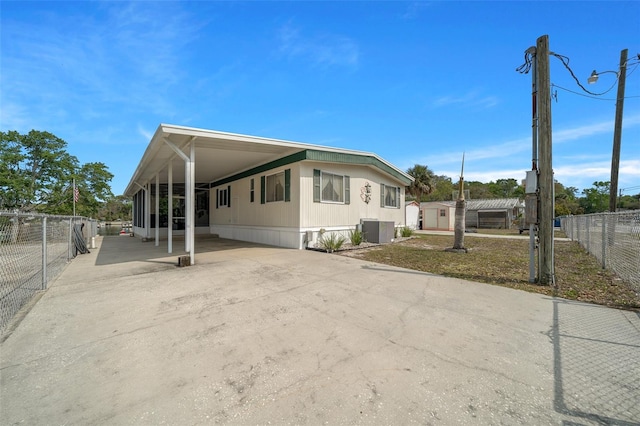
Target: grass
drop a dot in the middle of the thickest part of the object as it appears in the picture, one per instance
(505, 262)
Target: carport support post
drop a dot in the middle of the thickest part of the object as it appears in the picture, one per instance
(157, 207)
(147, 210)
(192, 195)
(170, 208)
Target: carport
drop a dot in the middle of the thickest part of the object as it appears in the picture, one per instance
(192, 159)
(189, 156)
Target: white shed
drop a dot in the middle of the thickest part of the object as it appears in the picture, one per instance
(438, 215)
(412, 214)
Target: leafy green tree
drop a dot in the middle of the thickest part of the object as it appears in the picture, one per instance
(118, 207)
(479, 190)
(629, 202)
(32, 164)
(504, 188)
(566, 202)
(442, 189)
(596, 199)
(423, 181)
(36, 174)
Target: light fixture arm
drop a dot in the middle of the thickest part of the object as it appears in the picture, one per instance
(594, 75)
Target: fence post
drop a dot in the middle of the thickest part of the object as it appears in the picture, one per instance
(44, 253)
(69, 254)
(604, 240)
(587, 237)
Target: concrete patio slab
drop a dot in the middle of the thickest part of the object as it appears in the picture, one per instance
(261, 335)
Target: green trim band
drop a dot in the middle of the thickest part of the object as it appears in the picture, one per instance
(321, 156)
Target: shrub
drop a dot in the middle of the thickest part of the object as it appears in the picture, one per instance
(333, 242)
(356, 237)
(406, 231)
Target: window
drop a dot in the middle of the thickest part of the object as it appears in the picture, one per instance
(389, 196)
(330, 187)
(223, 197)
(275, 188)
(251, 192)
(443, 212)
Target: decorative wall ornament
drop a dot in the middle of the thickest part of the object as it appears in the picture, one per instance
(365, 193)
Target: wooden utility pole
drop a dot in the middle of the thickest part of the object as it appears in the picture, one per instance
(617, 132)
(546, 273)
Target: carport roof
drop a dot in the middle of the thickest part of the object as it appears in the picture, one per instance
(220, 155)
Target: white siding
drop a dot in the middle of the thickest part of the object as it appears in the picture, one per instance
(313, 215)
(243, 212)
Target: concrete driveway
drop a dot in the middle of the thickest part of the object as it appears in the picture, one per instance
(261, 335)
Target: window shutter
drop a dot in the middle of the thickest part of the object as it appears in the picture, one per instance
(397, 197)
(316, 185)
(262, 185)
(287, 185)
(382, 195)
(229, 196)
(347, 190)
(217, 198)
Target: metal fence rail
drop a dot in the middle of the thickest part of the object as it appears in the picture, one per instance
(34, 250)
(613, 238)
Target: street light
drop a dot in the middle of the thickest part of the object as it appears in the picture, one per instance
(617, 129)
(593, 78)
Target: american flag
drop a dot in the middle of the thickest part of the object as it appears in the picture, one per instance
(76, 194)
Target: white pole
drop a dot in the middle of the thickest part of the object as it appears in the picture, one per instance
(192, 205)
(170, 202)
(157, 207)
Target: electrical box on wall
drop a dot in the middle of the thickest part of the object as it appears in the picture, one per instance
(531, 182)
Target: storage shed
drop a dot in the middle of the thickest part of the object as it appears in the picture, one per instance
(438, 215)
(497, 213)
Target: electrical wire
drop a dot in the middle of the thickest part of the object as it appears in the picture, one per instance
(528, 61)
(565, 62)
(589, 96)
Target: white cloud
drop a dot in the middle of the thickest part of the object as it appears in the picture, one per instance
(145, 133)
(320, 50)
(471, 99)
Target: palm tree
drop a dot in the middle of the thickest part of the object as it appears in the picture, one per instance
(423, 181)
(458, 243)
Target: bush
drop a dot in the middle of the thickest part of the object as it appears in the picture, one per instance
(406, 231)
(333, 242)
(356, 237)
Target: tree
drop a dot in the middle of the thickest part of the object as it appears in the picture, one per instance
(504, 188)
(118, 207)
(459, 224)
(629, 202)
(479, 190)
(442, 189)
(596, 199)
(32, 164)
(423, 181)
(36, 174)
(566, 202)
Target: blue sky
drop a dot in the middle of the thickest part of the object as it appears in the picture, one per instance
(414, 82)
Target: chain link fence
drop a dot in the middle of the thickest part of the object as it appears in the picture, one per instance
(613, 238)
(34, 250)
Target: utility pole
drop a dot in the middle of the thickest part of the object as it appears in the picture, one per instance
(617, 132)
(546, 273)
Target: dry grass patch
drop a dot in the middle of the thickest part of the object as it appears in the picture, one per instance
(505, 262)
